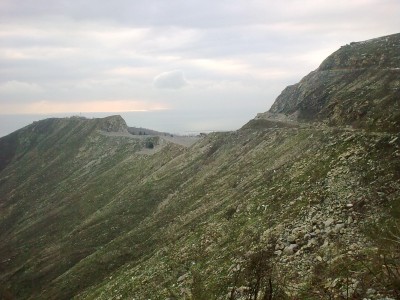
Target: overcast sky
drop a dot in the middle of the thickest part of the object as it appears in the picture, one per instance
(183, 58)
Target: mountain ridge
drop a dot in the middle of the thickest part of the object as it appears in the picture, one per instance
(358, 85)
(286, 207)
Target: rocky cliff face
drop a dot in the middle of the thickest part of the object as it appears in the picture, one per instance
(358, 85)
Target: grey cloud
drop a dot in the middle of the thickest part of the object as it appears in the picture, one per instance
(170, 80)
(20, 91)
(200, 13)
(239, 54)
(14, 86)
(194, 13)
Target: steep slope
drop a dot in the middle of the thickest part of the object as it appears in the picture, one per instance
(65, 175)
(298, 203)
(358, 85)
(14, 145)
(276, 210)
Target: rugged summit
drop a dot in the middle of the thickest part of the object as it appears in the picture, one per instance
(358, 85)
(112, 124)
(279, 209)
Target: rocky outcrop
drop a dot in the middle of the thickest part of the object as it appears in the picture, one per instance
(358, 85)
(113, 124)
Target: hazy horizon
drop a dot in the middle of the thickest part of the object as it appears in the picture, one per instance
(176, 122)
(192, 65)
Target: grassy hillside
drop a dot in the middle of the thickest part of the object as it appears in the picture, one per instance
(292, 203)
(61, 198)
(99, 220)
(275, 210)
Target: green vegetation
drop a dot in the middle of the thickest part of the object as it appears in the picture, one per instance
(271, 211)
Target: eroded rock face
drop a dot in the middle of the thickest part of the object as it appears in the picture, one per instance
(358, 85)
(113, 124)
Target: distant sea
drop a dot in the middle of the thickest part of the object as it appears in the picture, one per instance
(172, 121)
